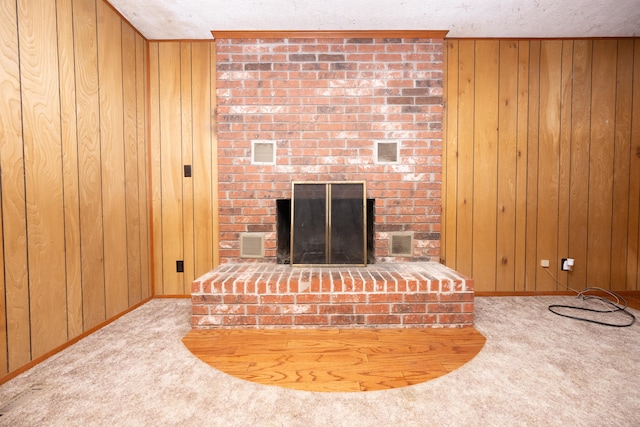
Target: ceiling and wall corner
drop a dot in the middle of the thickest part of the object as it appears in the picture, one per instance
(195, 19)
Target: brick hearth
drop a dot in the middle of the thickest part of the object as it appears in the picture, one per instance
(267, 295)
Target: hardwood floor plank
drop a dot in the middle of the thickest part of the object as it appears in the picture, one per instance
(336, 359)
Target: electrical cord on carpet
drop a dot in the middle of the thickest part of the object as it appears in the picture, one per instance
(613, 306)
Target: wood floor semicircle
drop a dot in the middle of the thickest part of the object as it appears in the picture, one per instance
(336, 360)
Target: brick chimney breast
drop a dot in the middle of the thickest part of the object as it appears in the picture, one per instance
(326, 104)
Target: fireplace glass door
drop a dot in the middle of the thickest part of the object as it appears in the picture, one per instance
(328, 223)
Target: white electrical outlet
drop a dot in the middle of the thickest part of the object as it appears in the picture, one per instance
(567, 264)
(544, 263)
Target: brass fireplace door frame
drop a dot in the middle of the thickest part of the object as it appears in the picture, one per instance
(328, 223)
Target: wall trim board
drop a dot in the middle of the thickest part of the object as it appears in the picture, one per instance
(374, 34)
(547, 293)
(541, 38)
(180, 40)
(172, 296)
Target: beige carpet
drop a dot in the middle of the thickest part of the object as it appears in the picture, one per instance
(536, 368)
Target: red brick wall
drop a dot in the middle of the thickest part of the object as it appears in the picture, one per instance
(326, 102)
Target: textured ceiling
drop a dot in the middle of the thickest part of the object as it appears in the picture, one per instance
(195, 19)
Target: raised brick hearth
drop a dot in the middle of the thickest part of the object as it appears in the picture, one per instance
(267, 295)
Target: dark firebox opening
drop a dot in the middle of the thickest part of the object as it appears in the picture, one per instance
(283, 231)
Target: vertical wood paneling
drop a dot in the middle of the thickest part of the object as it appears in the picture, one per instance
(531, 242)
(171, 163)
(143, 183)
(43, 173)
(113, 169)
(507, 163)
(450, 172)
(572, 180)
(485, 157)
(3, 305)
(131, 162)
(155, 165)
(633, 242)
(70, 168)
(564, 160)
(182, 111)
(580, 135)
(14, 221)
(187, 159)
(548, 159)
(521, 166)
(621, 171)
(89, 163)
(465, 152)
(601, 162)
(61, 154)
(204, 176)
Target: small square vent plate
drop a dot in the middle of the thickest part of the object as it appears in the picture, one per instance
(252, 245)
(401, 244)
(387, 152)
(263, 152)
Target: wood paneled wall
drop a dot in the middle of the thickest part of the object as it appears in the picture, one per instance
(73, 202)
(542, 161)
(182, 117)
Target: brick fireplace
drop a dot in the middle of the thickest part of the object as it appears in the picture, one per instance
(326, 110)
(326, 105)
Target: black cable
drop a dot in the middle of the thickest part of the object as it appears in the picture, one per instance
(617, 308)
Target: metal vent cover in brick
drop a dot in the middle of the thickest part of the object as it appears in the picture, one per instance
(252, 245)
(263, 152)
(401, 244)
(387, 152)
